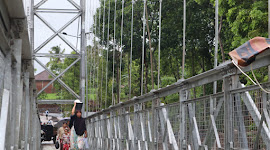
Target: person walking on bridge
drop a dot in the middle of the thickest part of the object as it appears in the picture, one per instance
(47, 114)
(78, 129)
(60, 133)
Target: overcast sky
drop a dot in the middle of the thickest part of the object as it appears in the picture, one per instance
(57, 20)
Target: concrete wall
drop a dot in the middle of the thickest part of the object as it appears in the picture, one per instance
(20, 125)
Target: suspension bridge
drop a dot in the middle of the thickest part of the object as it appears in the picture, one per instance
(235, 116)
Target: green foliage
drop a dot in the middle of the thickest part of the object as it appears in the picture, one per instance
(43, 95)
(52, 96)
(239, 21)
(71, 77)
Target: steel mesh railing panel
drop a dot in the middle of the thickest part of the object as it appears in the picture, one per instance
(244, 122)
(190, 123)
(220, 126)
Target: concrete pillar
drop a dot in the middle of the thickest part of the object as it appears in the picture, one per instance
(38, 146)
(34, 135)
(33, 114)
(25, 117)
(2, 67)
(8, 86)
(23, 92)
(2, 73)
(21, 114)
(30, 131)
(27, 110)
(16, 94)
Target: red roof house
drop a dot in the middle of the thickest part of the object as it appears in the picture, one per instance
(42, 79)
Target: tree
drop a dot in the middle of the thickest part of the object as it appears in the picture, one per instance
(238, 22)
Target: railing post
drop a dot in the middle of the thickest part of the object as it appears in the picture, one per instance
(131, 136)
(116, 129)
(228, 113)
(90, 132)
(164, 135)
(99, 131)
(121, 123)
(111, 130)
(154, 122)
(196, 141)
(102, 131)
(143, 133)
(106, 132)
(240, 118)
(182, 115)
(136, 126)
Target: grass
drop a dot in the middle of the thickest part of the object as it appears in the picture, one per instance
(55, 96)
(51, 96)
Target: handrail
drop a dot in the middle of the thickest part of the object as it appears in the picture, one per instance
(225, 69)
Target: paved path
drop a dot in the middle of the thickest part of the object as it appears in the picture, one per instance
(48, 145)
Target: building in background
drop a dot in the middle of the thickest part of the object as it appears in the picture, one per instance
(42, 79)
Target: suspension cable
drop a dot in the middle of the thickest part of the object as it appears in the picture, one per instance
(94, 52)
(102, 51)
(131, 42)
(159, 41)
(123, 1)
(91, 70)
(99, 21)
(143, 47)
(86, 66)
(216, 44)
(114, 47)
(98, 59)
(103, 26)
(86, 79)
(184, 39)
(91, 60)
(108, 44)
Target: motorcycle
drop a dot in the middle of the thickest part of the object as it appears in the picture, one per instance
(48, 133)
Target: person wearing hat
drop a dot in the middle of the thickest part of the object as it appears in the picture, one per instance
(77, 126)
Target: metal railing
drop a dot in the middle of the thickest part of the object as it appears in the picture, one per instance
(229, 119)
